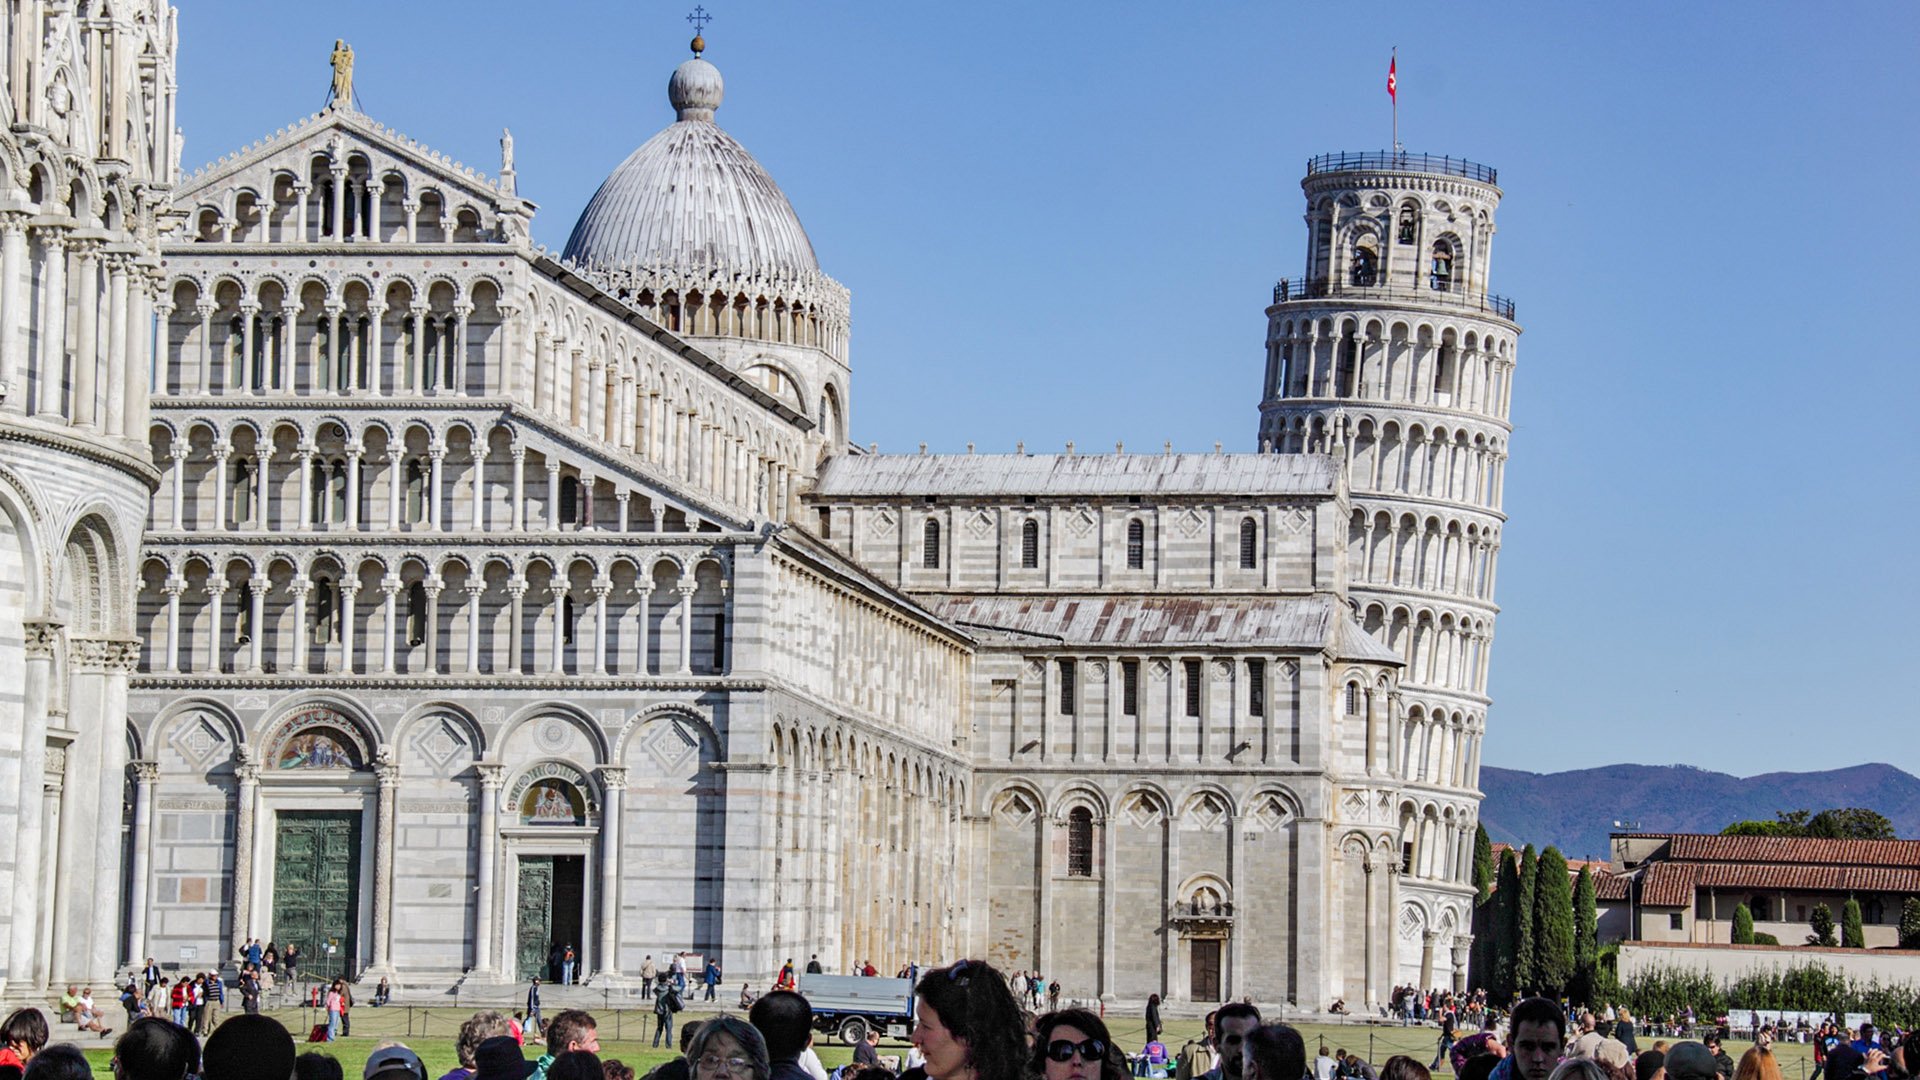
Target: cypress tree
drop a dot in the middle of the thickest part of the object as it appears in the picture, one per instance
(1525, 976)
(1910, 923)
(1852, 935)
(1586, 939)
(1485, 871)
(1742, 925)
(1500, 950)
(1552, 925)
(1822, 923)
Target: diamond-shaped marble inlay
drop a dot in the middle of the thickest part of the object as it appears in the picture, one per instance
(1294, 520)
(1190, 524)
(670, 746)
(1082, 523)
(883, 523)
(440, 744)
(200, 741)
(980, 525)
(1207, 811)
(1271, 813)
(1015, 808)
(1142, 810)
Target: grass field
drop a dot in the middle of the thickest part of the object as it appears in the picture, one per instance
(624, 1035)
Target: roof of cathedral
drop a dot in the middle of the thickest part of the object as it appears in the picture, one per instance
(1274, 621)
(692, 198)
(895, 475)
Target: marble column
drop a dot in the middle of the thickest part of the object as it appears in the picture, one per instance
(256, 610)
(117, 347)
(85, 284)
(488, 826)
(557, 661)
(387, 775)
(300, 588)
(49, 395)
(519, 508)
(479, 456)
(553, 495)
(221, 452)
(178, 455)
(613, 779)
(174, 587)
(245, 821)
(13, 324)
(32, 883)
(436, 454)
(354, 452)
(686, 629)
(430, 631)
(600, 591)
(516, 593)
(216, 590)
(139, 876)
(390, 589)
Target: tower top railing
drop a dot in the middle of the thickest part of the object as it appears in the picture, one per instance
(1285, 290)
(1401, 161)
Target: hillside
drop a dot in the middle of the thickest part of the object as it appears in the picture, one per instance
(1576, 810)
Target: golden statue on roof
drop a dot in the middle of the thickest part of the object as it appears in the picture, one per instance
(342, 60)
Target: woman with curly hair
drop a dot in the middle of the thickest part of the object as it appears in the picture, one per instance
(1073, 1044)
(967, 1025)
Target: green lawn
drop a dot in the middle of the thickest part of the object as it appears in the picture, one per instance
(624, 1035)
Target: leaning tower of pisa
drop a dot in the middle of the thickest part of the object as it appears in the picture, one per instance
(1390, 354)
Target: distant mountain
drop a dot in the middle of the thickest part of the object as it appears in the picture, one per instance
(1576, 810)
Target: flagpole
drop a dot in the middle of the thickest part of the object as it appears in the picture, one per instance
(1394, 67)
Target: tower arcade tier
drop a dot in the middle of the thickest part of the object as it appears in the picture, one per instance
(1390, 354)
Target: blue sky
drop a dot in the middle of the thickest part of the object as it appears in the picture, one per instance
(1063, 221)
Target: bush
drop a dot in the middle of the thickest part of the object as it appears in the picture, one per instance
(1809, 987)
(1852, 934)
(1761, 937)
(1822, 923)
(1910, 923)
(1742, 925)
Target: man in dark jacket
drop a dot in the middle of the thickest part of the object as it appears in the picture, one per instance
(666, 1002)
(1720, 1059)
(785, 1020)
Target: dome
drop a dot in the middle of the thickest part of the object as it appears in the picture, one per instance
(693, 199)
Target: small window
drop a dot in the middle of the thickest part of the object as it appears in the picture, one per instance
(1442, 275)
(243, 617)
(416, 492)
(1674, 921)
(1256, 688)
(1873, 912)
(1193, 687)
(1030, 545)
(1406, 856)
(1366, 268)
(569, 500)
(417, 614)
(930, 556)
(1353, 699)
(1066, 688)
(1130, 688)
(1409, 224)
(566, 619)
(1249, 544)
(720, 643)
(1760, 908)
(1136, 544)
(1080, 842)
(826, 523)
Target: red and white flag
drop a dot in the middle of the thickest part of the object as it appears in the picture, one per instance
(1393, 79)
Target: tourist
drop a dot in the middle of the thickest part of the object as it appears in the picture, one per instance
(647, 974)
(867, 1050)
(382, 993)
(678, 971)
(334, 1007)
(216, 1003)
(1053, 996)
(666, 1002)
(813, 965)
(1757, 1064)
(568, 961)
(968, 1024)
(712, 977)
(678, 1068)
(576, 1065)
(1154, 1026)
(61, 1062)
(272, 959)
(197, 1004)
(569, 1030)
(1574, 1068)
(1650, 1065)
(1723, 1062)
(86, 1017)
(253, 954)
(151, 975)
(314, 1065)
(1537, 1037)
(1271, 1052)
(533, 1001)
(478, 1028)
(346, 1005)
(1073, 1044)
(729, 1048)
(784, 1020)
(1230, 1026)
(1325, 1066)
(1623, 1030)
(248, 1048)
(395, 1061)
(1588, 1040)
(746, 996)
(290, 959)
(499, 1058)
(1195, 1059)
(785, 979)
(179, 997)
(23, 1035)
(156, 1049)
(1402, 1067)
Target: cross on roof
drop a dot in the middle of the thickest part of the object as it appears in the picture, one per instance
(699, 19)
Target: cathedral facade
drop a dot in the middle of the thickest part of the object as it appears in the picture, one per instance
(494, 600)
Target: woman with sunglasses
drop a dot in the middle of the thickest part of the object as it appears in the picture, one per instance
(1073, 1044)
(967, 1024)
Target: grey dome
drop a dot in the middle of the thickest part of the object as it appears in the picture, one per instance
(692, 198)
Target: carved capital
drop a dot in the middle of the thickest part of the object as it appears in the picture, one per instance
(144, 772)
(492, 775)
(42, 635)
(614, 777)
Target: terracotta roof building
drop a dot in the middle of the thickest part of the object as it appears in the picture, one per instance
(1685, 886)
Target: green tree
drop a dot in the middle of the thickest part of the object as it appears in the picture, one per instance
(1852, 935)
(1850, 823)
(1785, 823)
(1586, 939)
(1742, 925)
(1910, 923)
(1524, 974)
(1500, 942)
(1822, 924)
(1552, 924)
(1485, 873)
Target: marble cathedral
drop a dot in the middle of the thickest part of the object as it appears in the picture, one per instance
(490, 599)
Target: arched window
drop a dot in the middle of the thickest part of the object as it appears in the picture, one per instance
(1443, 370)
(1030, 545)
(1366, 267)
(417, 614)
(1353, 699)
(324, 606)
(243, 618)
(1323, 248)
(1079, 842)
(337, 487)
(1409, 224)
(416, 492)
(566, 619)
(1136, 544)
(930, 555)
(1249, 544)
(1442, 275)
(569, 500)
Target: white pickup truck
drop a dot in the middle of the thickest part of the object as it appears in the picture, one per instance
(852, 1005)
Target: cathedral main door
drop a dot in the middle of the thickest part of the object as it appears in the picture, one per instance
(552, 892)
(1205, 969)
(316, 888)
